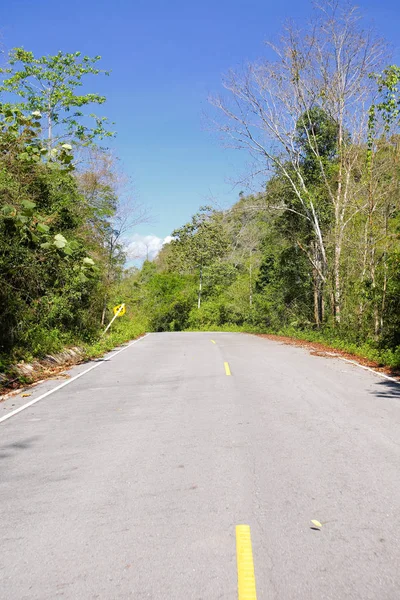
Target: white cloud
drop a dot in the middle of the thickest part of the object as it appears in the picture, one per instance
(145, 246)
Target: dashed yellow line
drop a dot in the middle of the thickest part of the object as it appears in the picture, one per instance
(213, 341)
(245, 565)
(227, 369)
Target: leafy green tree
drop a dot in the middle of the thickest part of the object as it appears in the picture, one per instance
(317, 139)
(388, 106)
(198, 244)
(47, 278)
(48, 87)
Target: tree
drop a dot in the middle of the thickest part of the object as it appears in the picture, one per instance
(48, 86)
(48, 281)
(382, 189)
(114, 212)
(198, 243)
(388, 106)
(62, 221)
(325, 69)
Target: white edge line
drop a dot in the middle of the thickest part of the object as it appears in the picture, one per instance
(58, 387)
(353, 362)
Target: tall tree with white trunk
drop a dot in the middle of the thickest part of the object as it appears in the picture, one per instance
(271, 104)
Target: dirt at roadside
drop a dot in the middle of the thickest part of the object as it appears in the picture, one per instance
(39, 370)
(320, 349)
(24, 375)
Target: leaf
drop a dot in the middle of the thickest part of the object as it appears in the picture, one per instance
(60, 237)
(43, 228)
(82, 277)
(45, 245)
(88, 261)
(316, 523)
(36, 113)
(8, 210)
(60, 241)
(22, 219)
(67, 146)
(28, 204)
(25, 395)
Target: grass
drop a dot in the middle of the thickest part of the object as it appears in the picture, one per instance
(122, 332)
(384, 357)
(130, 328)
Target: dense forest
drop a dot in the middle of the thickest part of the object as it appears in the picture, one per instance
(315, 252)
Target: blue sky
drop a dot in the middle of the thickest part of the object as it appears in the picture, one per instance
(166, 58)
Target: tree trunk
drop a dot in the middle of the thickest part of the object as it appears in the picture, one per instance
(332, 297)
(108, 281)
(200, 286)
(338, 221)
(363, 272)
(318, 285)
(316, 301)
(317, 259)
(103, 314)
(385, 274)
(251, 282)
(336, 264)
(384, 290)
(49, 128)
(336, 291)
(375, 301)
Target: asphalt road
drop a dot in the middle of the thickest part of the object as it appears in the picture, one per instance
(129, 481)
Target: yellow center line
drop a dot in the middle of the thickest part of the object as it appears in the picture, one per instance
(245, 565)
(213, 341)
(227, 369)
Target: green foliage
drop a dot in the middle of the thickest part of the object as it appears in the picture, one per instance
(168, 300)
(46, 278)
(199, 242)
(317, 135)
(332, 338)
(261, 276)
(53, 232)
(125, 329)
(270, 263)
(48, 88)
(389, 106)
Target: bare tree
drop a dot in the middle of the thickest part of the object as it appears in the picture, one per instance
(325, 66)
(109, 191)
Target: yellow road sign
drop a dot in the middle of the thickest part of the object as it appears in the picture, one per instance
(119, 310)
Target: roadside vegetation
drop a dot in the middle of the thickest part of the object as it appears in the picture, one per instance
(313, 254)
(64, 209)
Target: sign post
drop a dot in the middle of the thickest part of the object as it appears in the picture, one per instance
(118, 312)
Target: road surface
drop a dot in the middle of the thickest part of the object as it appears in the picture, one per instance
(129, 481)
